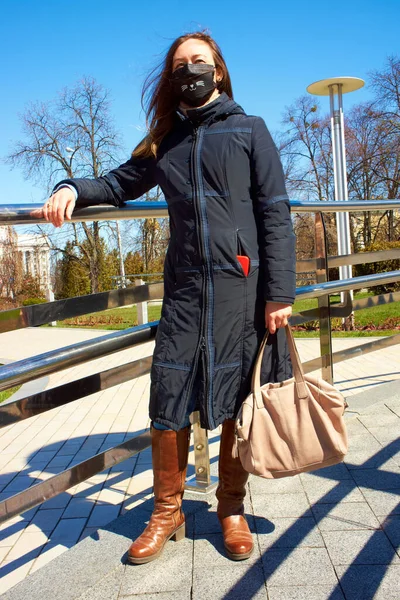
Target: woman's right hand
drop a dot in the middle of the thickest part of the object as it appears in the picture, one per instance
(57, 208)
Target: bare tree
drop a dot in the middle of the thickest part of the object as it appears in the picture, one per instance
(153, 237)
(307, 145)
(73, 136)
(364, 154)
(386, 85)
(372, 152)
(11, 270)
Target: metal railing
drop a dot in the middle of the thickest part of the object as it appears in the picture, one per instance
(29, 369)
(18, 214)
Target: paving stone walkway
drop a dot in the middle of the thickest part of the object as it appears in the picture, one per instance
(331, 534)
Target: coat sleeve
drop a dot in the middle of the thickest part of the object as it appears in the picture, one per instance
(127, 182)
(274, 223)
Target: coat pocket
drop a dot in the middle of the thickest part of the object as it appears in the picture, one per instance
(244, 256)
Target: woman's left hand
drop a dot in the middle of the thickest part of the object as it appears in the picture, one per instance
(276, 315)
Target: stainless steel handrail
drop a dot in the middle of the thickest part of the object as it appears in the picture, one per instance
(15, 214)
(343, 205)
(353, 351)
(29, 406)
(40, 314)
(51, 362)
(343, 285)
(310, 264)
(57, 360)
(27, 369)
(35, 404)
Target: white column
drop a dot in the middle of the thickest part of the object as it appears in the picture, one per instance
(142, 313)
(50, 298)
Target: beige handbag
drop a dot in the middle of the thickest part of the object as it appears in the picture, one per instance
(286, 428)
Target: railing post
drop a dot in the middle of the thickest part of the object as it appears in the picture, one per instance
(204, 482)
(142, 314)
(325, 334)
(50, 298)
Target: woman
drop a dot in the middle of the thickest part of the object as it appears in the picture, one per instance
(229, 272)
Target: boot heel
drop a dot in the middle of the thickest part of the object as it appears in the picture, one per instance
(179, 534)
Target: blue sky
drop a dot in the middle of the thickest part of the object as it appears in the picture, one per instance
(273, 51)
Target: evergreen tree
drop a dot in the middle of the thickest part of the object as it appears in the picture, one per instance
(72, 277)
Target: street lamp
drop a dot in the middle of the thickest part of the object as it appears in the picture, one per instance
(335, 87)
(70, 155)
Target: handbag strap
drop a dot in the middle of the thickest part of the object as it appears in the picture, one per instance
(298, 372)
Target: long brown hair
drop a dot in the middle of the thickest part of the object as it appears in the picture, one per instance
(158, 101)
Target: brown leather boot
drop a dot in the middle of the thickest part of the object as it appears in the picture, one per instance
(170, 457)
(231, 491)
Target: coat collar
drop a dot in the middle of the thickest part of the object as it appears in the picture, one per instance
(219, 108)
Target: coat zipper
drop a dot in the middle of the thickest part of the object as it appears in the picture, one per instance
(198, 226)
(205, 259)
(203, 347)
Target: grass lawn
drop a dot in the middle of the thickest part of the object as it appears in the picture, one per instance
(348, 334)
(7, 393)
(115, 318)
(387, 316)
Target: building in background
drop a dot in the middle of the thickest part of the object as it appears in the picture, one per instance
(28, 252)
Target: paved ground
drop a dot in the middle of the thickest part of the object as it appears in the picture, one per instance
(338, 524)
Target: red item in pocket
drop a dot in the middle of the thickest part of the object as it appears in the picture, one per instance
(245, 262)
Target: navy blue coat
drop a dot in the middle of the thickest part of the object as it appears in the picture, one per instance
(222, 178)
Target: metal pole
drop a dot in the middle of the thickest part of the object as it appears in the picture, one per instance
(335, 87)
(325, 334)
(50, 298)
(19, 214)
(142, 313)
(121, 257)
(340, 175)
(341, 191)
(347, 274)
(204, 482)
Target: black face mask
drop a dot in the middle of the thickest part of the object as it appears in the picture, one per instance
(194, 84)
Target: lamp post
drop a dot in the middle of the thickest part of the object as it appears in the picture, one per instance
(335, 87)
(70, 155)
(121, 257)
